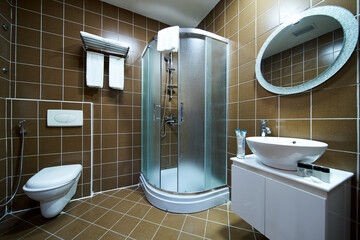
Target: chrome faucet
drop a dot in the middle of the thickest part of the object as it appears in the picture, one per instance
(263, 128)
(171, 120)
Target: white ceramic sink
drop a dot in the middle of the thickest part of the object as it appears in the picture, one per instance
(284, 153)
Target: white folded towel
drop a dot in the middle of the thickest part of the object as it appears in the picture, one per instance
(94, 69)
(168, 39)
(116, 72)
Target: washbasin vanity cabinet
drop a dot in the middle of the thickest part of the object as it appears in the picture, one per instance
(281, 205)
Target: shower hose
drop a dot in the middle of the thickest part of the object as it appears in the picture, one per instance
(22, 132)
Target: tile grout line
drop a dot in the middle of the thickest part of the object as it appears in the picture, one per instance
(182, 227)
(206, 221)
(41, 43)
(36, 227)
(78, 217)
(160, 225)
(140, 219)
(81, 201)
(124, 214)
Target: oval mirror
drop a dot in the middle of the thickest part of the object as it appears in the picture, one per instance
(307, 50)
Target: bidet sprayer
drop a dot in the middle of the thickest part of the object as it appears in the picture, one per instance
(22, 128)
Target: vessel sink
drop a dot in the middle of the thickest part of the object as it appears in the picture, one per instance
(285, 153)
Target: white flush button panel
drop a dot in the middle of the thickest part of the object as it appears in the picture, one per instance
(64, 118)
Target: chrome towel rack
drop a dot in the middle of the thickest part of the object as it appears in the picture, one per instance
(104, 45)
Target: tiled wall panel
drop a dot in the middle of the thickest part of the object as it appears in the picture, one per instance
(48, 63)
(46, 146)
(328, 113)
(5, 59)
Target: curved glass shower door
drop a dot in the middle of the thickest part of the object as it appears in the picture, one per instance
(184, 127)
(151, 115)
(202, 162)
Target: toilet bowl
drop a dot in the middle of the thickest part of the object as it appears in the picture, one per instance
(53, 187)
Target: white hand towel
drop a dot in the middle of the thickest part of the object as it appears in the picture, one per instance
(94, 69)
(116, 72)
(168, 39)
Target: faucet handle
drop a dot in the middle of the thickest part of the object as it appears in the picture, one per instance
(263, 122)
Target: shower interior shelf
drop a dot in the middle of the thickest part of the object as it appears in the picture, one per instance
(104, 45)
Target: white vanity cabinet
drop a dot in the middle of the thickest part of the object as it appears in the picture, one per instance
(282, 205)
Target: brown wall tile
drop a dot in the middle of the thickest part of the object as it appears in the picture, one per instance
(52, 25)
(28, 19)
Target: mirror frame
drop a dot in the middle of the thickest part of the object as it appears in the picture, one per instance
(351, 32)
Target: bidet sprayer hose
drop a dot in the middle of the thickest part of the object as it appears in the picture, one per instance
(22, 132)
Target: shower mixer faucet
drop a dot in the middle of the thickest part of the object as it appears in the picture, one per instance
(171, 120)
(263, 128)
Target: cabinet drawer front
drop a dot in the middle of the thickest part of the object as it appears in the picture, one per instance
(292, 213)
(248, 194)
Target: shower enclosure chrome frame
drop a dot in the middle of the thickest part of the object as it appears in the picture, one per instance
(189, 202)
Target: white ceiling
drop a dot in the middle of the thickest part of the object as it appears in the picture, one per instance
(184, 13)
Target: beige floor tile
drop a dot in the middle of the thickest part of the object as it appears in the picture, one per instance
(185, 236)
(194, 225)
(80, 209)
(135, 196)
(222, 206)
(112, 236)
(125, 225)
(122, 193)
(37, 234)
(144, 201)
(37, 220)
(73, 229)
(9, 222)
(58, 222)
(139, 210)
(174, 220)
(155, 215)
(216, 231)
(144, 230)
(109, 202)
(53, 237)
(123, 206)
(217, 215)
(92, 232)
(109, 219)
(97, 199)
(111, 192)
(71, 205)
(33, 216)
(93, 214)
(236, 233)
(166, 233)
(202, 214)
(237, 221)
(21, 229)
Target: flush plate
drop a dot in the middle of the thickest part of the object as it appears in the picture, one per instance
(64, 118)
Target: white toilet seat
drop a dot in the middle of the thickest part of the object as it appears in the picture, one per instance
(52, 177)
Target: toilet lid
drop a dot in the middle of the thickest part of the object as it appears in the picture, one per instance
(53, 176)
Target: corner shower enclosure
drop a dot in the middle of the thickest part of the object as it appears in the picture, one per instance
(184, 130)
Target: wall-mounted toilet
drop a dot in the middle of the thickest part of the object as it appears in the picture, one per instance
(53, 187)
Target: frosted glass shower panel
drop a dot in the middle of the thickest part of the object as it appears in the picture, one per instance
(215, 114)
(191, 102)
(151, 115)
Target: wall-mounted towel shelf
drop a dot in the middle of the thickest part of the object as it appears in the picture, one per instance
(104, 45)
